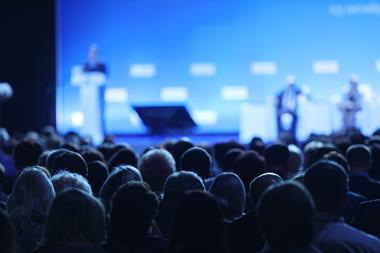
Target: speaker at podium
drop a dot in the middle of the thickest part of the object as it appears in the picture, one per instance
(90, 84)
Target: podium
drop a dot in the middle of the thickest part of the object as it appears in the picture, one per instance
(90, 100)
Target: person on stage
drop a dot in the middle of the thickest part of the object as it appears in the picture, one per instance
(351, 104)
(93, 64)
(286, 108)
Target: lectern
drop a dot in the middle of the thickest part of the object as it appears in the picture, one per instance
(89, 84)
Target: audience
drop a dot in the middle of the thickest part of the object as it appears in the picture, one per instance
(64, 180)
(277, 159)
(228, 188)
(223, 198)
(359, 159)
(328, 184)
(367, 217)
(97, 175)
(76, 223)
(118, 177)
(286, 219)
(243, 233)
(197, 160)
(176, 185)
(155, 166)
(198, 225)
(28, 207)
(134, 208)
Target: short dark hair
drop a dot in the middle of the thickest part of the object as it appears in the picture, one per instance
(198, 224)
(248, 166)
(134, 206)
(260, 184)
(197, 160)
(328, 184)
(26, 153)
(286, 215)
(119, 176)
(72, 162)
(359, 155)
(97, 175)
(124, 156)
(75, 217)
(338, 158)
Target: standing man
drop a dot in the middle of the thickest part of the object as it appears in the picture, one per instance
(286, 108)
(351, 104)
(98, 71)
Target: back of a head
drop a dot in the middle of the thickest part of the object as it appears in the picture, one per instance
(230, 191)
(134, 207)
(196, 160)
(277, 157)
(91, 155)
(248, 166)
(75, 217)
(257, 144)
(155, 166)
(26, 154)
(97, 175)
(198, 224)
(179, 148)
(124, 156)
(359, 157)
(261, 183)
(119, 176)
(286, 215)
(295, 160)
(72, 162)
(221, 149)
(7, 234)
(178, 183)
(53, 154)
(328, 184)
(338, 158)
(230, 158)
(64, 180)
(31, 197)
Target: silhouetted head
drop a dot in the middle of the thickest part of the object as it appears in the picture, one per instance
(134, 207)
(286, 215)
(230, 191)
(26, 154)
(70, 161)
(92, 154)
(64, 180)
(230, 158)
(30, 199)
(248, 166)
(220, 150)
(277, 157)
(295, 161)
(178, 183)
(338, 158)
(119, 176)
(359, 157)
(179, 148)
(328, 184)
(97, 175)
(198, 224)
(196, 160)
(75, 218)
(155, 166)
(261, 183)
(124, 156)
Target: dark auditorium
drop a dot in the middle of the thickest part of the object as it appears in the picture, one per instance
(189, 126)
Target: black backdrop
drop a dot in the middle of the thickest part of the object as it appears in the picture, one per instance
(27, 62)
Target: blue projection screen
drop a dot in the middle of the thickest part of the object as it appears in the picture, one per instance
(211, 55)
